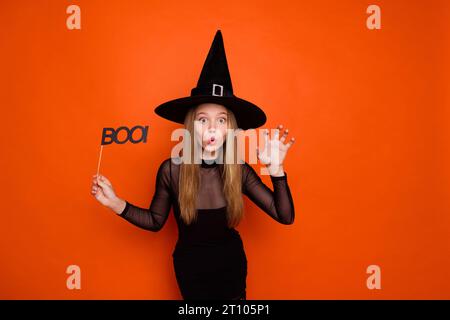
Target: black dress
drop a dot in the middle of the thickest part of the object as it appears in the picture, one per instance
(209, 257)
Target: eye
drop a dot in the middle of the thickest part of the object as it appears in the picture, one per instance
(222, 120)
(202, 120)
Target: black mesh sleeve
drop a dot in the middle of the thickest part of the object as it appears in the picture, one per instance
(153, 218)
(277, 203)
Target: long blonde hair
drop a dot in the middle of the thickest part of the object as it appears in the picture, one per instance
(231, 177)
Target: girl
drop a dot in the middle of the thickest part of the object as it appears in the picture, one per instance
(209, 257)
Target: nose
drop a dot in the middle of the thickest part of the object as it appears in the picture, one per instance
(212, 127)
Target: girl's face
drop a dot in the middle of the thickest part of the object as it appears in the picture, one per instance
(211, 123)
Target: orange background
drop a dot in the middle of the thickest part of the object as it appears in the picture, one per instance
(369, 172)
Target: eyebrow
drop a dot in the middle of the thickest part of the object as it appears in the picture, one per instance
(206, 113)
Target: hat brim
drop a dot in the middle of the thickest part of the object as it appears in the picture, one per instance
(248, 115)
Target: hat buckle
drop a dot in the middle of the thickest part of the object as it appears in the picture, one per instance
(214, 89)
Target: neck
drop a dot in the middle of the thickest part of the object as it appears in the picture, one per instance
(208, 160)
(209, 156)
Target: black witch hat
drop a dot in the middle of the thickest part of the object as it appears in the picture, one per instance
(214, 86)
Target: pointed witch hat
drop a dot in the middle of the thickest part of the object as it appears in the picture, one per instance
(214, 86)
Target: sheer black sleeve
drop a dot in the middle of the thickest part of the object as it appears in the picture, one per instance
(277, 203)
(153, 218)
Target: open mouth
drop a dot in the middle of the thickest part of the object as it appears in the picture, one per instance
(212, 140)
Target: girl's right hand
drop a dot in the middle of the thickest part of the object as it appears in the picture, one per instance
(103, 190)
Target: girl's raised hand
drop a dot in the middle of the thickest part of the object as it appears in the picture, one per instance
(275, 149)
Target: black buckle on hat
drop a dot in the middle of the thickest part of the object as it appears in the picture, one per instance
(214, 90)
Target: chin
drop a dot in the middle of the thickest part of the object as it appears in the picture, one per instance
(212, 148)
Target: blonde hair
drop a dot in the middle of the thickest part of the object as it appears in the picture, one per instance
(231, 177)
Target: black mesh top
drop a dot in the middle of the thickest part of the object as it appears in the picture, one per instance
(278, 203)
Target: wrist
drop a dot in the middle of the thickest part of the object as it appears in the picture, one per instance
(117, 205)
(276, 171)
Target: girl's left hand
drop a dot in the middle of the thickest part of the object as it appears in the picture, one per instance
(275, 149)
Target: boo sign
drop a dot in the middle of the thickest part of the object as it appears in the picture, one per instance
(111, 135)
(122, 135)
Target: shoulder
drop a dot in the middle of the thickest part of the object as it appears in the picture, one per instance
(166, 171)
(165, 167)
(247, 171)
(245, 166)
(169, 166)
(167, 163)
